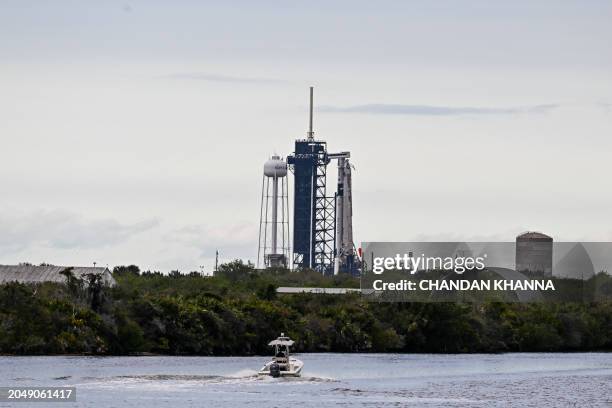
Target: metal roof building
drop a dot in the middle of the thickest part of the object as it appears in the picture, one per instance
(50, 273)
(320, 291)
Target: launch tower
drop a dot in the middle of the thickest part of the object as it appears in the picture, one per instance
(322, 224)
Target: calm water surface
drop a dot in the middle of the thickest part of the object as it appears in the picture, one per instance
(351, 380)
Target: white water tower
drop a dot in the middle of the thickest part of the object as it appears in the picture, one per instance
(273, 249)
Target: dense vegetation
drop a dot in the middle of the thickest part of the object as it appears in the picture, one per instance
(238, 312)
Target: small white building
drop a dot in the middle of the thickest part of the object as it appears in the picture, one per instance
(51, 273)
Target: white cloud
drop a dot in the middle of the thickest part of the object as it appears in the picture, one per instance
(202, 76)
(399, 109)
(63, 230)
(234, 240)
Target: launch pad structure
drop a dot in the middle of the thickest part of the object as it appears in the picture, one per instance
(322, 223)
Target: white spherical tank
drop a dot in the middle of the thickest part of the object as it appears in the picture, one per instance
(275, 167)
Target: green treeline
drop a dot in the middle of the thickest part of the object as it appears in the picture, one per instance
(238, 311)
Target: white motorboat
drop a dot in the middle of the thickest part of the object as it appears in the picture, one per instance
(282, 364)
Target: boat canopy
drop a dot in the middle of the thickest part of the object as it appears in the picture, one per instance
(281, 342)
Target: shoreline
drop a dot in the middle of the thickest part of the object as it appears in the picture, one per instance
(310, 352)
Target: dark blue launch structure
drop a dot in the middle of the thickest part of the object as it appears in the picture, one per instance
(314, 212)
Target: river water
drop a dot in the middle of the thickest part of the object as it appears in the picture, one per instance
(349, 380)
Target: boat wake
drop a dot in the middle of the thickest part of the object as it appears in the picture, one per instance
(243, 377)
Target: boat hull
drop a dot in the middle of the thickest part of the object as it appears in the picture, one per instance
(294, 369)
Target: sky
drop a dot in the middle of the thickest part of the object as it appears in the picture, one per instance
(135, 132)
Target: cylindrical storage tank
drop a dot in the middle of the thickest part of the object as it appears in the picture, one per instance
(275, 167)
(534, 253)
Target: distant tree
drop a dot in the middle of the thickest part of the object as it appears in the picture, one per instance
(123, 270)
(130, 335)
(75, 285)
(194, 274)
(95, 289)
(236, 270)
(268, 292)
(152, 273)
(175, 274)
